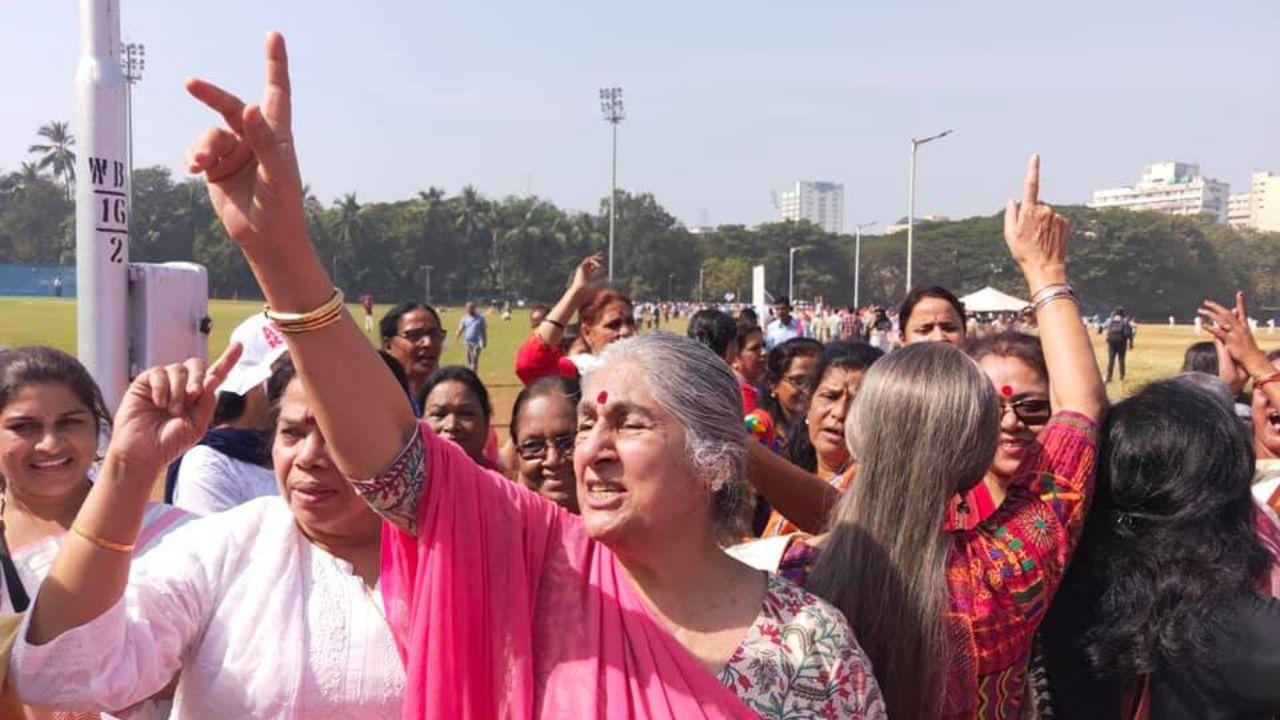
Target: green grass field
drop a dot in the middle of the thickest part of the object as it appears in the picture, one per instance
(48, 321)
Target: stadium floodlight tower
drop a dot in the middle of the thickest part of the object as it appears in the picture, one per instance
(102, 201)
(133, 61)
(611, 107)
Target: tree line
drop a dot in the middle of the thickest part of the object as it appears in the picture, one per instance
(483, 248)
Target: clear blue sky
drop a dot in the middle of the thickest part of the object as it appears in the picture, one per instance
(725, 100)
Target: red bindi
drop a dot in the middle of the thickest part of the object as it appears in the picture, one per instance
(1006, 390)
(603, 397)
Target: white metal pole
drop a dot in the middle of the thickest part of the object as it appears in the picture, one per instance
(911, 212)
(613, 194)
(857, 263)
(791, 276)
(102, 201)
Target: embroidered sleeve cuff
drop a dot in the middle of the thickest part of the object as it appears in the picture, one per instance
(395, 493)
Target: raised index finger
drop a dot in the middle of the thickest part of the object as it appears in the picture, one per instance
(1031, 189)
(230, 107)
(276, 97)
(222, 366)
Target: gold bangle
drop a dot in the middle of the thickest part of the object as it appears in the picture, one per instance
(314, 324)
(282, 319)
(103, 543)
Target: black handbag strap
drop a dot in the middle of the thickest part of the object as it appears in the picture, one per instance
(18, 597)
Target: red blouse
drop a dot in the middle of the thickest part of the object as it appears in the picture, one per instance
(536, 359)
(1002, 574)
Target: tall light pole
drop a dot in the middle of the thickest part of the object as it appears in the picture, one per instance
(671, 295)
(911, 201)
(133, 60)
(611, 106)
(791, 275)
(857, 259)
(700, 286)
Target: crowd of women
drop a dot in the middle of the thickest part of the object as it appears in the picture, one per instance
(677, 527)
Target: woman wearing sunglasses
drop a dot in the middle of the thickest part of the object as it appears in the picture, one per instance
(1015, 364)
(544, 422)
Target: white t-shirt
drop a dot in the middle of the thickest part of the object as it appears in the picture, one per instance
(210, 482)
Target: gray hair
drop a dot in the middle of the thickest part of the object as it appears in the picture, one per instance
(695, 386)
(923, 427)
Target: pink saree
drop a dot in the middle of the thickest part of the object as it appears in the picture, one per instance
(502, 607)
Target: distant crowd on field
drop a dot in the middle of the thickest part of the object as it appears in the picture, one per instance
(905, 517)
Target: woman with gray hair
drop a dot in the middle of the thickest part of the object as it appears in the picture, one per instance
(502, 603)
(637, 584)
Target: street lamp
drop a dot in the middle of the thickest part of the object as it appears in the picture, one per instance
(857, 259)
(611, 107)
(670, 292)
(911, 201)
(133, 60)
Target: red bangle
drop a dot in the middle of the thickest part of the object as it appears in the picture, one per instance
(1265, 379)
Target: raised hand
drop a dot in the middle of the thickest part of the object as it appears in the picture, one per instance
(1036, 235)
(166, 410)
(588, 275)
(250, 165)
(1230, 328)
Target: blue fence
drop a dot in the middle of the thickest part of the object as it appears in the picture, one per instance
(38, 280)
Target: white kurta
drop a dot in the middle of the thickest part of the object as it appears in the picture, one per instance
(262, 623)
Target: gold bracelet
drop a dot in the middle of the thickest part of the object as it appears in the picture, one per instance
(99, 541)
(314, 324)
(287, 320)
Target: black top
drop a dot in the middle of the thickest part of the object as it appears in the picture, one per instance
(1243, 682)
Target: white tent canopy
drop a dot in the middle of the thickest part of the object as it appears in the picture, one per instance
(989, 299)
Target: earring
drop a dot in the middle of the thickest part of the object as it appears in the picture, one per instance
(963, 507)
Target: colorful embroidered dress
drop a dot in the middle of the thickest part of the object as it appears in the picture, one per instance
(1002, 575)
(503, 607)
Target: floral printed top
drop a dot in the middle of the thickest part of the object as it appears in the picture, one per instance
(1002, 575)
(799, 660)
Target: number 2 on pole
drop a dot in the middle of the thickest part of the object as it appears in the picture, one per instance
(117, 249)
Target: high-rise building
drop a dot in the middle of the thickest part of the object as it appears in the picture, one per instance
(1260, 207)
(1171, 187)
(821, 203)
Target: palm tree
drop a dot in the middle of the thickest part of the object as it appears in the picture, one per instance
(56, 155)
(348, 228)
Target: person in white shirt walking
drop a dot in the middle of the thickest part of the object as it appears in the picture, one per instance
(784, 326)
